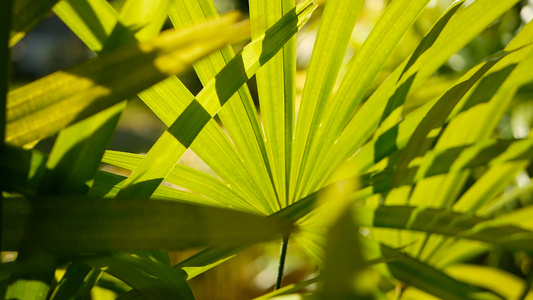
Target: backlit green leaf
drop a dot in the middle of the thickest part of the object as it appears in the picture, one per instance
(332, 40)
(239, 116)
(91, 20)
(173, 143)
(97, 84)
(446, 223)
(458, 32)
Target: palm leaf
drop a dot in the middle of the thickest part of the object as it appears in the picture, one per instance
(91, 20)
(506, 284)
(495, 231)
(338, 19)
(183, 176)
(370, 115)
(276, 90)
(188, 125)
(359, 75)
(100, 83)
(71, 224)
(152, 279)
(4, 64)
(78, 149)
(238, 116)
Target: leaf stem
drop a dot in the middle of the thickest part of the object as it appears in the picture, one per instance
(282, 256)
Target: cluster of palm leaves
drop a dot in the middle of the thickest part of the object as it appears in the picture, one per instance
(389, 200)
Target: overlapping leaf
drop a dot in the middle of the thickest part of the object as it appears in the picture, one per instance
(183, 131)
(458, 32)
(152, 279)
(239, 116)
(446, 223)
(79, 92)
(74, 224)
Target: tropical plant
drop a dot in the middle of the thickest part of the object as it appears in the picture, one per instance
(390, 196)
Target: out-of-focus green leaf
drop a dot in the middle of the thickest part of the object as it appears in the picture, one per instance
(43, 107)
(25, 169)
(5, 58)
(146, 15)
(435, 118)
(66, 224)
(404, 267)
(289, 289)
(76, 283)
(453, 251)
(407, 270)
(153, 280)
(79, 148)
(492, 183)
(207, 259)
(435, 162)
(76, 154)
(446, 223)
(456, 34)
(459, 251)
(492, 207)
(28, 289)
(472, 125)
(433, 281)
(26, 14)
(196, 265)
(506, 284)
(29, 277)
(111, 285)
(347, 275)
(389, 139)
(477, 118)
